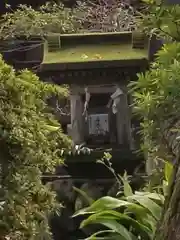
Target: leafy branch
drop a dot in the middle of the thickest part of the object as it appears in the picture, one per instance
(106, 16)
(161, 20)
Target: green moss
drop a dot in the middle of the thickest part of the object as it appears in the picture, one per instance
(85, 53)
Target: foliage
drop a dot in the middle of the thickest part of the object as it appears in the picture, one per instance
(55, 18)
(160, 182)
(155, 92)
(159, 89)
(106, 16)
(50, 18)
(157, 102)
(161, 19)
(31, 142)
(132, 216)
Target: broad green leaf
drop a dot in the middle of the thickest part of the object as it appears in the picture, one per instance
(111, 236)
(153, 196)
(137, 210)
(149, 221)
(116, 227)
(95, 235)
(148, 1)
(104, 203)
(51, 128)
(127, 189)
(146, 202)
(102, 215)
(120, 217)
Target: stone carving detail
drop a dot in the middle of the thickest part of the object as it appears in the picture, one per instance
(98, 124)
(89, 75)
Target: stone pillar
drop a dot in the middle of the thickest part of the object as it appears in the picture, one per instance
(77, 119)
(123, 120)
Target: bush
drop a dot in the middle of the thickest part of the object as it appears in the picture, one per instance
(50, 18)
(130, 217)
(31, 141)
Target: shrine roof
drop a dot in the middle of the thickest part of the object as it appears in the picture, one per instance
(91, 48)
(92, 52)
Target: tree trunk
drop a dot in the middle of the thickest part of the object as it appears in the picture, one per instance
(169, 226)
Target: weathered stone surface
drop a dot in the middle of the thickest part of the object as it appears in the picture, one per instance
(98, 75)
(93, 189)
(62, 225)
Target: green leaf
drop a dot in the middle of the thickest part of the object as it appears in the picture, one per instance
(127, 188)
(153, 196)
(95, 235)
(146, 202)
(137, 210)
(111, 236)
(30, 150)
(148, 1)
(116, 227)
(168, 171)
(51, 128)
(104, 203)
(149, 221)
(102, 215)
(121, 218)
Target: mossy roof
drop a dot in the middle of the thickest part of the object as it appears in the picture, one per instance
(94, 52)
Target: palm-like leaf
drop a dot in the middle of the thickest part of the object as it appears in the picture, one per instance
(135, 216)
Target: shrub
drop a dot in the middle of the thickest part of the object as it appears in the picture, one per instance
(132, 216)
(31, 141)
